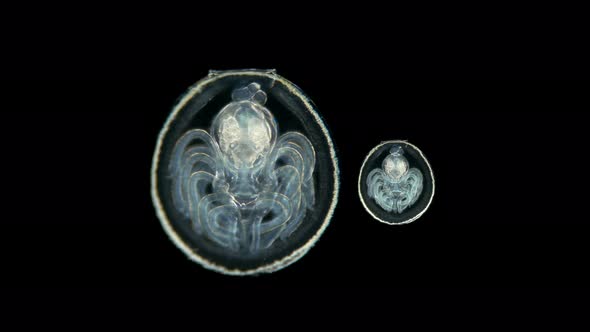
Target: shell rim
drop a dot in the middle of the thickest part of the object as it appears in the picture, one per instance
(419, 214)
(297, 253)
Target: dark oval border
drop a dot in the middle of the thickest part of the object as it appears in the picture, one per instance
(160, 211)
(431, 175)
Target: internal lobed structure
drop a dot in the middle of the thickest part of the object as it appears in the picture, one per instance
(240, 185)
(395, 186)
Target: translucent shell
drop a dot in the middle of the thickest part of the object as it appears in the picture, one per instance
(237, 171)
(396, 183)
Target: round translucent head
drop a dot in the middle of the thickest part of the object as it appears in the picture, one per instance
(395, 165)
(244, 129)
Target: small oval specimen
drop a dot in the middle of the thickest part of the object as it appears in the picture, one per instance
(237, 171)
(396, 184)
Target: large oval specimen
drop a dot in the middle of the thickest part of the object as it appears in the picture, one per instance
(244, 176)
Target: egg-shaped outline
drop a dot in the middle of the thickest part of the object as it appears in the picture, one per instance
(360, 180)
(165, 222)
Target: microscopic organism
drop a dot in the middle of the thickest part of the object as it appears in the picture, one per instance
(240, 184)
(245, 175)
(396, 183)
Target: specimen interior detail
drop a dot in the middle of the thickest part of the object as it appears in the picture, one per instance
(240, 184)
(395, 186)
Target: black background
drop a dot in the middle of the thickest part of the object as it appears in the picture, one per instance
(82, 106)
(506, 158)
